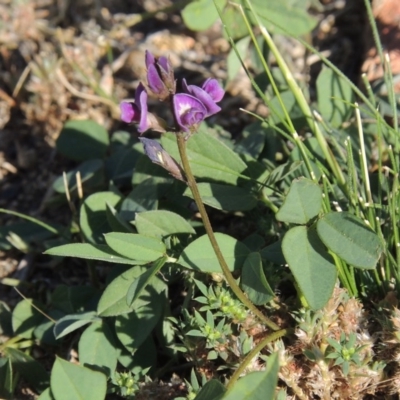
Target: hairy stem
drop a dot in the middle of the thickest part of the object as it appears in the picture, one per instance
(207, 225)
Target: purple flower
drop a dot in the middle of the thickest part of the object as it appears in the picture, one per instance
(209, 94)
(137, 112)
(160, 76)
(211, 86)
(159, 156)
(189, 111)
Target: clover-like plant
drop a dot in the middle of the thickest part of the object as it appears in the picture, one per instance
(189, 108)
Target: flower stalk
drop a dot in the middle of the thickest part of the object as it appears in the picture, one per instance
(191, 181)
(247, 360)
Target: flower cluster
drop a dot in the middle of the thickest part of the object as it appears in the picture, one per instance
(190, 107)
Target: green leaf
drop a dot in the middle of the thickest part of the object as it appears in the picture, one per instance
(30, 369)
(312, 266)
(233, 19)
(28, 231)
(199, 15)
(120, 164)
(143, 197)
(287, 17)
(233, 62)
(93, 215)
(334, 97)
(282, 172)
(97, 348)
(72, 322)
(44, 331)
(144, 358)
(73, 299)
(253, 140)
(199, 255)
(208, 156)
(285, 101)
(349, 238)
(113, 301)
(254, 282)
(140, 283)
(212, 390)
(224, 197)
(6, 378)
(116, 222)
(142, 249)
(73, 382)
(134, 328)
(26, 317)
(82, 140)
(92, 175)
(273, 253)
(46, 395)
(161, 223)
(302, 202)
(100, 252)
(257, 385)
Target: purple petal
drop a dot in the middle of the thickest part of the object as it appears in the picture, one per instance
(144, 121)
(129, 112)
(212, 87)
(185, 86)
(139, 90)
(188, 110)
(149, 59)
(205, 98)
(164, 63)
(154, 81)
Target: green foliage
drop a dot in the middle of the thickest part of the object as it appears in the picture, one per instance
(71, 322)
(93, 216)
(302, 202)
(224, 197)
(91, 176)
(83, 140)
(254, 282)
(312, 266)
(88, 251)
(210, 158)
(257, 385)
(349, 237)
(74, 382)
(141, 248)
(199, 255)
(25, 318)
(201, 14)
(290, 203)
(334, 97)
(161, 223)
(344, 352)
(287, 17)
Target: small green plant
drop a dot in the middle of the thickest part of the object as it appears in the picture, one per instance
(344, 351)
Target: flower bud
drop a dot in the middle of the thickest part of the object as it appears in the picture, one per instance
(159, 156)
(160, 76)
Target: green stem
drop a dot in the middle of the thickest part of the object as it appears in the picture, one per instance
(207, 225)
(253, 353)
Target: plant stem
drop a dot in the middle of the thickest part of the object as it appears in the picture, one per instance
(253, 353)
(207, 225)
